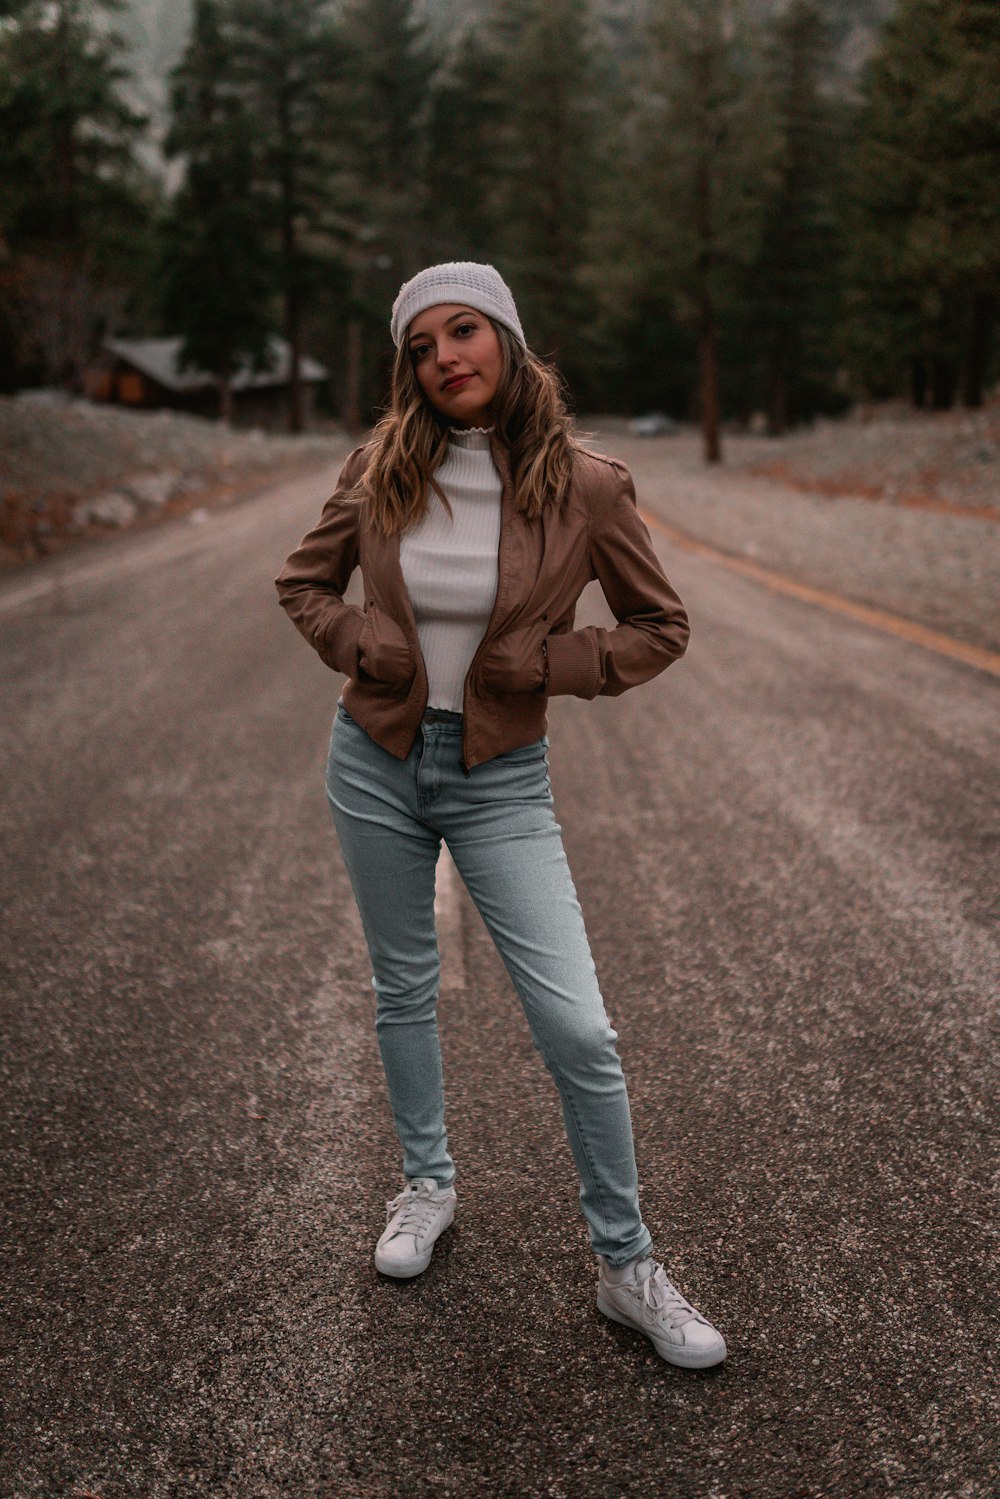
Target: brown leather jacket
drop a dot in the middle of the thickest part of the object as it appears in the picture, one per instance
(544, 565)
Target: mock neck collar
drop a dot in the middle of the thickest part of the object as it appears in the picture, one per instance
(470, 437)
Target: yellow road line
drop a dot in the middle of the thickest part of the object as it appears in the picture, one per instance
(879, 619)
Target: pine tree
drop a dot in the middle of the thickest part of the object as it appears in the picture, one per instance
(789, 317)
(464, 117)
(965, 122)
(286, 63)
(544, 153)
(925, 249)
(710, 156)
(76, 205)
(383, 105)
(217, 277)
(637, 355)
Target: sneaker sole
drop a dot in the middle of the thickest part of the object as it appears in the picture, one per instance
(408, 1268)
(405, 1271)
(683, 1358)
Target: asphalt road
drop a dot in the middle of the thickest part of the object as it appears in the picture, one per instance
(786, 851)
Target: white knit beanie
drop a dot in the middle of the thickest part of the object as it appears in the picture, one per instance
(479, 286)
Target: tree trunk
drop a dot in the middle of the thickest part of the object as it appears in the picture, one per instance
(918, 381)
(944, 380)
(293, 335)
(708, 361)
(977, 355)
(708, 382)
(66, 145)
(226, 406)
(290, 258)
(350, 410)
(777, 403)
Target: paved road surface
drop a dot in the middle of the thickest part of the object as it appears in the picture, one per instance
(786, 851)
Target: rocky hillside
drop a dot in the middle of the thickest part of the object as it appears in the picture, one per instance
(72, 469)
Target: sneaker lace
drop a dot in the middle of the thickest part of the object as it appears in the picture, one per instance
(418, 1211)
(663, 1297)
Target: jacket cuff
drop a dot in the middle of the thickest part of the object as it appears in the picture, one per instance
(574, 664)
(340, 643)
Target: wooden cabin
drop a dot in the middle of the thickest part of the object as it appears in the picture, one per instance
(144, 373)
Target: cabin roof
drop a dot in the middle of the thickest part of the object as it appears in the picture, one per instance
(159, 359)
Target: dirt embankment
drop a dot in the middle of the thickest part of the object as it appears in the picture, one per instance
(947, 461)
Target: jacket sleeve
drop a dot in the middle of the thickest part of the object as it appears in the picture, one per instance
(652, 627)
(312, 582)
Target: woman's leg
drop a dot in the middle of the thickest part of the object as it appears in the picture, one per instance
(501, 829)
(391, 854)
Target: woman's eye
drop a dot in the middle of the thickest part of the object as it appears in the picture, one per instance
(463, 326)
(418, 350)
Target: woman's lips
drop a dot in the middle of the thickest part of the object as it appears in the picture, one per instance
(454, 384)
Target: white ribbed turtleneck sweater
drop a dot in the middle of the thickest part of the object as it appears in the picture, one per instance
(450, 563)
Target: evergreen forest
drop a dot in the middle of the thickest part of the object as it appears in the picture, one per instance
(700, 210)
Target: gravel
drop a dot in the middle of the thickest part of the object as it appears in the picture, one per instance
(931, 557)
(948, 460)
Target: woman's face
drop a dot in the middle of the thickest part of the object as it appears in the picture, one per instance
(457, 360)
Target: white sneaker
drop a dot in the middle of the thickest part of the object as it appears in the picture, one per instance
(414, 1221)
(647, 1300)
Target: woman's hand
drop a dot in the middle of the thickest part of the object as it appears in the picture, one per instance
(516, 661)
(384, 653)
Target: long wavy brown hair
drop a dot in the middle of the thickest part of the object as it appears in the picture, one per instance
(411, 439)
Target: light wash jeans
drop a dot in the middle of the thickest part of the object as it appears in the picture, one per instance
(498, 822)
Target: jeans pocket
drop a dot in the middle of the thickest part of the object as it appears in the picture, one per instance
(525, 754)
(344, 716)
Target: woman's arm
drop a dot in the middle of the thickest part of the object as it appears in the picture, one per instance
(652, 629)
(312, 582)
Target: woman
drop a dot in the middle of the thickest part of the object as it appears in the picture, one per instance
(477, 521)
